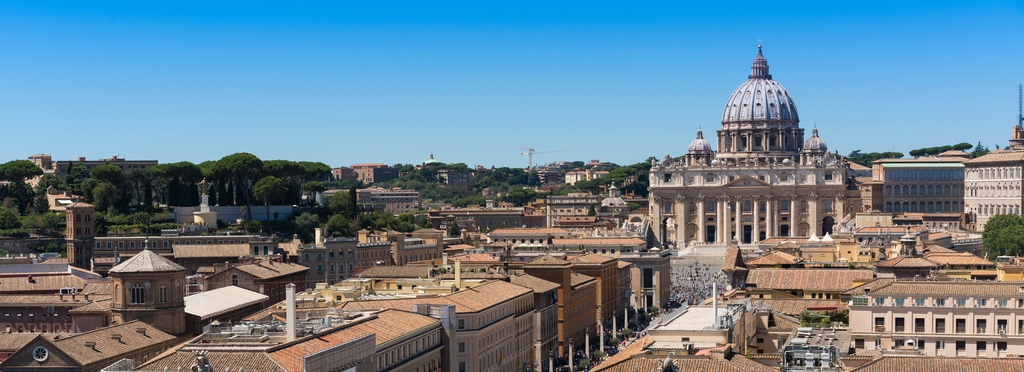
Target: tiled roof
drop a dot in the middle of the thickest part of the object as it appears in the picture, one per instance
(793, 306)
(832, 280)
(624, 264)
(997, 157)
(957, 259)
(733, 259)
(578, 279)
(248, 361)
(896, 231)
(860, 289)
(950, 288)
(590, 258)
(575, 242)
(538, 285)
(472, 275)
(932, 364)
(99, 286)
(100, 306)
(938, 249)
(548, 260)
(106, 347)
(14, 341)
(269, 270)
(906, 262)
(530, 231)
(472, 257)
(146, 261)
(39, 283)
(775, 258)
(643, 362)
(381, 272)
(210, 250)
(388, 325)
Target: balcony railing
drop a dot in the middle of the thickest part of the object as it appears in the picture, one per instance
(879, 328)
(980, 330)
(899, 328)
(919, 329)
(939, 329)
(961, 329)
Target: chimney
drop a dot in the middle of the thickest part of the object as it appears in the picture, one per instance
(714, 295)
(444, 259)
(318, 237)
(86, 295)
(90, 344)
(458, 274)
(116, 337)
(141, 331)
(290, 302)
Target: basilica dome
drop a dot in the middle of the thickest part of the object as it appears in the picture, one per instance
(760, 99)
(699, 144)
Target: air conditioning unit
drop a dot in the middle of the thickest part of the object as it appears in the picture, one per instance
(1002, 331)
(956, 305)
(914, 304)
(997, 306)
(976, 305)
(935, 304)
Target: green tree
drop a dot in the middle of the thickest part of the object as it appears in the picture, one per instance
(311, 188)
(339, 225)
(453, 229)
(268, 189)
(308, 221)
(18, 172)
(979, 150)
(592, 211)
(243, 168)
(1003, 236)
(8, 219)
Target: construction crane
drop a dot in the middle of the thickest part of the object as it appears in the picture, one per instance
(530, 152)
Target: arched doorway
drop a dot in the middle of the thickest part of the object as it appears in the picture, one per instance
(827, 224)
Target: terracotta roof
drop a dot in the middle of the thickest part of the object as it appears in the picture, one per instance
(860, 289)
(472, 257)
(106, 347)
(530, 231)
(472, 275)
(267, 270)
(834, 280)
(538, 285)
(957, 259)
(580, 279)
(99, 286)
(906, 262)
(733, 260)
(950, 288)
(210, 250)
(643, 362)
(857, 166)
(14, 341)
(774, 258)
(938, 249)
(793, 306)
(248, 361)
(146, 261)
(932, 364)
(997, 157)
(391, 272)
(575, 242)
(548, 260)
(100, 306)
(624, 264)
(387, 325)
(39, 283)
(590, 258)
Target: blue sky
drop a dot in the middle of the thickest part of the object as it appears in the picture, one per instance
(470, 82)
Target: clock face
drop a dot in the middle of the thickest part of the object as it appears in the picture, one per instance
(40, 353)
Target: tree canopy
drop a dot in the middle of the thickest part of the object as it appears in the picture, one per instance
(1003, 236)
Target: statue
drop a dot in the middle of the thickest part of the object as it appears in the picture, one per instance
(205, 186)
(202, 363)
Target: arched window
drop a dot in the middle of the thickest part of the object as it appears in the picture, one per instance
(913, 190)
(888, 206)
(888, 190)
(138, 294)
(784, 205)
(668, 207)
(163, 293)
(828, 205)
(899, 191)
(945, 207)
(931, 190)
(906, 190)
(906, 207)
(746, 206)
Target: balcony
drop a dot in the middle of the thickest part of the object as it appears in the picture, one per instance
(879, 328)
(961, 329)
(980, 330)
(940, 329)
(899, 328)
(919, 329)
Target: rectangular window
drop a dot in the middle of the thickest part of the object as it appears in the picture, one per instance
(234, 280)
(961, 325)
(940, 302)
(1001, 346)
(899, 301)
(961, 345)
(940, 325)
(462, 347)
(858, 343)
(982, 346)
(879, 301)
(940, 345)
(961, 302)
(462, 324)
(919, 302)
(1002, 303)
(131, 245)
(981, 302)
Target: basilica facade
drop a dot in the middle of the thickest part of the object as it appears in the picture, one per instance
(763, 181)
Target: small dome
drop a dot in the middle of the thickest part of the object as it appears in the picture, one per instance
(699, 144)
(815, 143)
(787, 161)
(431, 160)
(715, 161)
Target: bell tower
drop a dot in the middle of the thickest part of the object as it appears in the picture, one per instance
(80, 234)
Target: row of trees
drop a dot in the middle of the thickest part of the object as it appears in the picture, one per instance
(929, 151)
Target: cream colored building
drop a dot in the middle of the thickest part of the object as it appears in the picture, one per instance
(763, 181)
(993, 186)
(940, 318)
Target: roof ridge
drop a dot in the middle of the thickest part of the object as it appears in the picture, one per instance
(109, 327)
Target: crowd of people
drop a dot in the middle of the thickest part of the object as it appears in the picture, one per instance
(692, 283)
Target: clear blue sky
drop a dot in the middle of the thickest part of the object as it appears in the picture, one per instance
(469, 82)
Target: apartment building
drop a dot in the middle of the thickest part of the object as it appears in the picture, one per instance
(575, 204)
(369, 173)
(933, 184)
(396, 200)
(939, 318)
(333, 260)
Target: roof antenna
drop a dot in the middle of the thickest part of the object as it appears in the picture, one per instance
(1020, 105)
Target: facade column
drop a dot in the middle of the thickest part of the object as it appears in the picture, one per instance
(681, 222)
(769, 218)
(723, 220)
(739, 220)
(701, 230)
(755, 234)
(812, 204)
